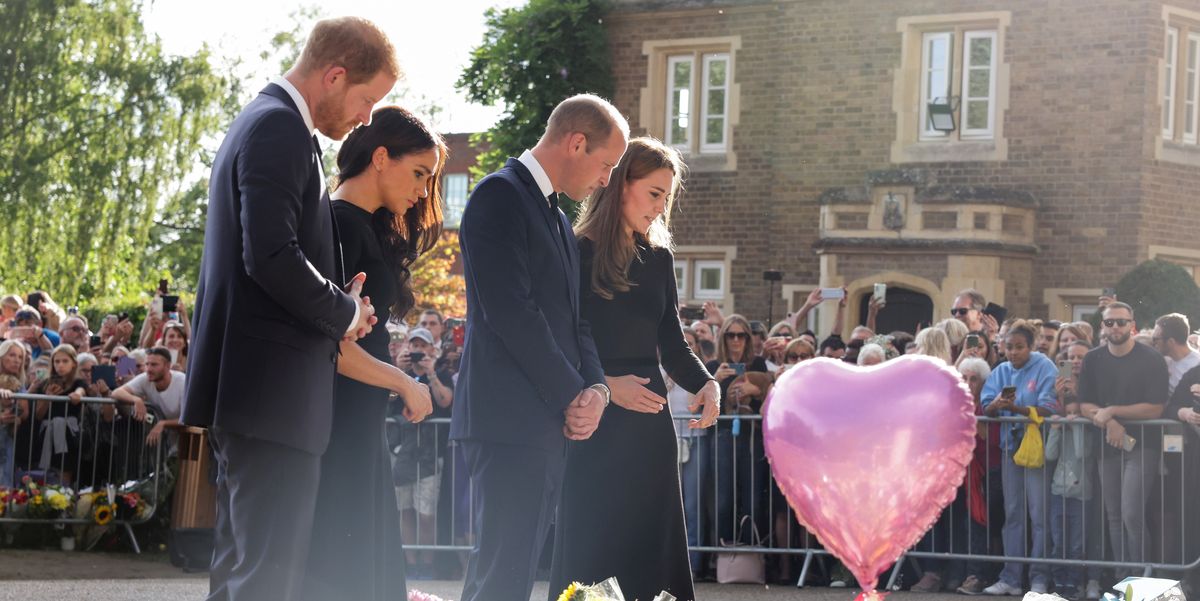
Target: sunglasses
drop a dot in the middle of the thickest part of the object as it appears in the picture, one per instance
(732, 335)
(793, 357)
(959, 311)
(1118, 322)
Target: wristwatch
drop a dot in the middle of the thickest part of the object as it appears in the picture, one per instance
(604, 391)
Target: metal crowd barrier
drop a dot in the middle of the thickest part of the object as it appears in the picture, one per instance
(734, 480)
(86, 451)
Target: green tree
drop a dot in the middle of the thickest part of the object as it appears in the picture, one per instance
(101, 137)
(1156, 288)
(532, 58)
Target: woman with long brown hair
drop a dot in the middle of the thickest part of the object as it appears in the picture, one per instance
(621, 512)
(387, 207)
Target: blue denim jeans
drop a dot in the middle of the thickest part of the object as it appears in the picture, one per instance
(1026, 491)
(695, 486)
(1066, 532)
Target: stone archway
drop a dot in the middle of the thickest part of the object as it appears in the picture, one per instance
(909, 297)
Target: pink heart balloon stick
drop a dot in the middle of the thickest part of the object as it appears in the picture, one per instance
(869, 456)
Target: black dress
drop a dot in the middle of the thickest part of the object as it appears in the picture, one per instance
(356, 551)
(622, 512)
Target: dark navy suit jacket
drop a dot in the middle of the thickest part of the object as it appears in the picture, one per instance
(528, 353)
(267, 319)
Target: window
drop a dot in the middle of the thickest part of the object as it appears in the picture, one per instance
(454, 195)
(1169, 83)
(1180, 85)
(710, 280)
(681, 270)
(957, 61)
(712, 81)
(975, 93)
(691, 98)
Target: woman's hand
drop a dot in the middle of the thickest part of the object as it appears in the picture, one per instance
(713, 315)
(76, 396)
(1064, 387)
(710, 397)
(723, 372)
(745, 388)
(1187, 415)
(418, 403)
(630, 392)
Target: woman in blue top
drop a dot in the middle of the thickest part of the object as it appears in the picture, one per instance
(1026, 380)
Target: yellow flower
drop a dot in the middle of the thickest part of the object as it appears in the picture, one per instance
(103, 514)
(58, 501)
(37, 500)
(569, 594)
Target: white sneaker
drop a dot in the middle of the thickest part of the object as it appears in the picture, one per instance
(1093, 589)
(1002, 588)
(1039, 588)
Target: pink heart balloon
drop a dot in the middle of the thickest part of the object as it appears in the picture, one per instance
(869, 456)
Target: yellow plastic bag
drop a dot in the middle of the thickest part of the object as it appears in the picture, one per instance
(1031, 453)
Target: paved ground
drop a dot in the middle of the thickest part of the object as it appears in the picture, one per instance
(62, 576)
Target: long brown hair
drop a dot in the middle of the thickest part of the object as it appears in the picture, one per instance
(723, 345)
(600, 219)
(406, 237)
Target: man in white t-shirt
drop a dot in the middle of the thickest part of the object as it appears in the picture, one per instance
(159, 387)
(1171, 340)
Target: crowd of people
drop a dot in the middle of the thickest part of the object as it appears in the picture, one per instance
(1107, 487)
(48, 350)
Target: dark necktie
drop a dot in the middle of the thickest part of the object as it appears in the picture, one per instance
(554, 214)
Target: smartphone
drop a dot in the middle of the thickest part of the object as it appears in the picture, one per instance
(416, 357)
(460, 335)
(1008, 390)
(972, 341)
(122, 316)
(156, 305)
(170, 303)
(880, 291)
(996, 311)
(1128, 443)
(1065, 370)
(108, 373)
(126, 366)
(692, 313)
(162, 287)
(832, 294)
(1109, 292)
(94, 341)
(738, 368)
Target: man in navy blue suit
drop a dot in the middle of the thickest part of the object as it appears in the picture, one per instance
(271, 313)
(530, 377)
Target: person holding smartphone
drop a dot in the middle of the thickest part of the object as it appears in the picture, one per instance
(1122, 381)
(13, 412)
(1025, 382)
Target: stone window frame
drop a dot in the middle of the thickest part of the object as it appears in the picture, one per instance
(653, 104)
(691, 257)
(910, 145)
(1173, 142)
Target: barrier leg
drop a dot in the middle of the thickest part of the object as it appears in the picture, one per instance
(891, 583)
(808, 557)
(132, 539)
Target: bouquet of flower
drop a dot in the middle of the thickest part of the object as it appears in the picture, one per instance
(608, 590)
(34, 500)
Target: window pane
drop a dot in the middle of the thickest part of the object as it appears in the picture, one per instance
(939, 51)
(715, 132)
(716, 102)
(716, 73)
(977, 114)
(710, 279)
(981, 52)
(1168, 113)
(980, 83)
(454, 191)
(679, 125)
(683, 75)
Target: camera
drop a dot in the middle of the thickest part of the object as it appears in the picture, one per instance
(416, 357)
(693, 313)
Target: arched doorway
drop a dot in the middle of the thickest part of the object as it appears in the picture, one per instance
(905, 310)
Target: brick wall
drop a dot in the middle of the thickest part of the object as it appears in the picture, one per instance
(816, 112)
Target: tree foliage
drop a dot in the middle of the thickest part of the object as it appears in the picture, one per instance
(103, 134)
(532, 58)
(1156, 288)
(434, 282)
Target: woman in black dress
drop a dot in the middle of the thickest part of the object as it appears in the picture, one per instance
(387, 208)
(622, 512)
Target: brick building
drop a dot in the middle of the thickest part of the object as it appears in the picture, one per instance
(809, 127)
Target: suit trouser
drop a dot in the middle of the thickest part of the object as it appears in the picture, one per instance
(266, 496)
(515, 490)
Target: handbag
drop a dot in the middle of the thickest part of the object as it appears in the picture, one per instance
(747, 568)
(1031, 453)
